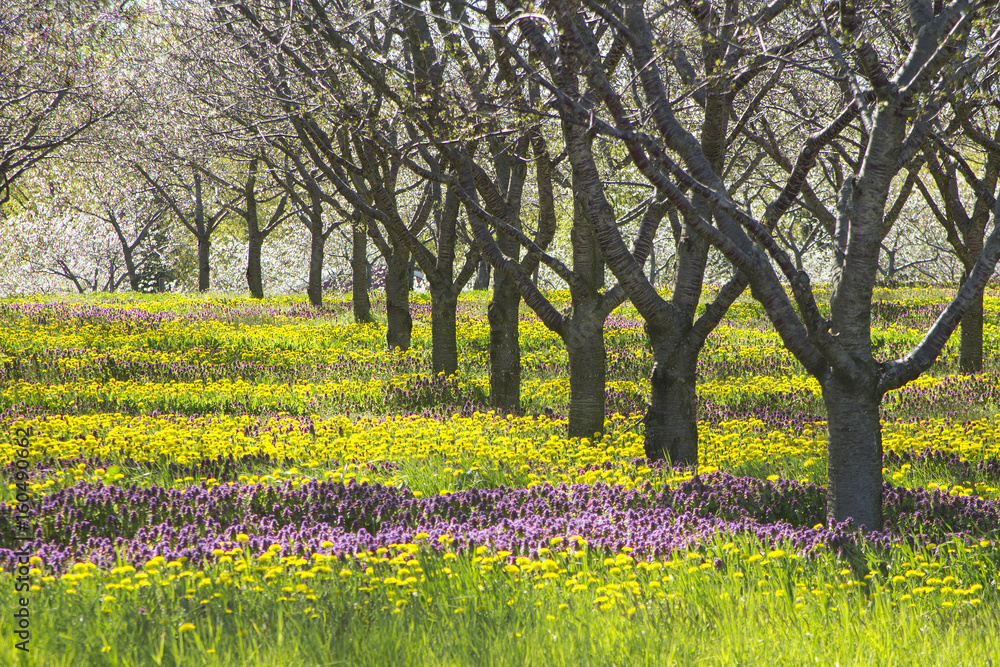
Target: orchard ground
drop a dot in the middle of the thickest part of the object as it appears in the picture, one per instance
(218, 481)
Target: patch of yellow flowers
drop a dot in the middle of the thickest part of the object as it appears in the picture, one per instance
(527, 448)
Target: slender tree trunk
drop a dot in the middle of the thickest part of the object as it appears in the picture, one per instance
(854, 452)
(315, 289)
(359, 274)
(399, 323)
(584, 340)
(444, 341)
(505, 346)
(255, 279)
(204, 245)
(672, 417)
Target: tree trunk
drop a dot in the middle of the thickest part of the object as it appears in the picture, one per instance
(399, 323)
(587, 368)
(254, 278)
(505, 346)
(444, 342)
(971, 341)
(854, 452)
(359, 274)
(315, 289)
(482, 275)
(133, 275)
(204, 245)
(672, 417)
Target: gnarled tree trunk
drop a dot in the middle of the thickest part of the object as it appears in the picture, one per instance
(482, 281)
(971, 338)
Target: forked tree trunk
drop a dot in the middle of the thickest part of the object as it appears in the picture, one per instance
(315, 289)
(587, 369)
(359, 275)
(204, 245)
(399, 323)
(672, 417)
(255, 279)
(505, 346)
(854, 452)
(444, 342)
(971, 341)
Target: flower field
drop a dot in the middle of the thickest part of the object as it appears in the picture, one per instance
(217, 481)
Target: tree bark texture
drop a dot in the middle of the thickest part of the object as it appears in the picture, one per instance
(204, 246)
(315, 288)
(359, 274)
(971, 337)
(505, 347)
(672, 417)
(584, 338)
(255, 279)
(399, 322)
(482, 281)
(971, 341)
(444, 343)
(854, 451)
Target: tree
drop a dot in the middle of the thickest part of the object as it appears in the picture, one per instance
(892, 114)
(728, 65)
(322, 99)
(134, 213)
(192, 215)
(52, 91)
(963, 212)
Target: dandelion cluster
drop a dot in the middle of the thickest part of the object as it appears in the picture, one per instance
(192, 459)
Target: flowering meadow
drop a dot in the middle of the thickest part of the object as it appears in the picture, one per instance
(220, 481)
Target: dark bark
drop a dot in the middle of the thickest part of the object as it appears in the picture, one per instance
(971, 337)
(399, 322)
(671, 421)
(854, 451)
(505, 349)
(133, 275)
(255, 279)
(971, 341)
(314, 222)
(584, 338)
(444, 341)
(204, 246)
(315, 288)
(359, 274)
(482, 281)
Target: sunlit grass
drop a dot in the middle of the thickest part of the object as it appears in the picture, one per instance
(211, 393)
